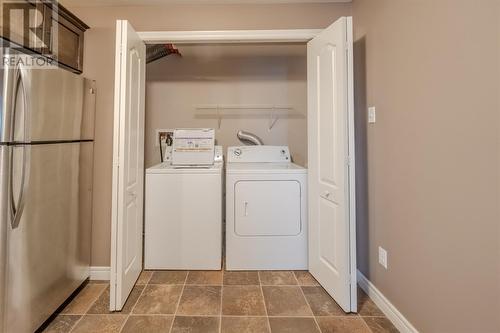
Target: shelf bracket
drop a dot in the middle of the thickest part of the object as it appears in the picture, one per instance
(219, 118)
(273, 118)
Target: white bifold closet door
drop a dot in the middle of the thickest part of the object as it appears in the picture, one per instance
(332, 257)
(128, 164)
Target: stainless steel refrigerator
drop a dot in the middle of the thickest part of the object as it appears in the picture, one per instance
(46, 159)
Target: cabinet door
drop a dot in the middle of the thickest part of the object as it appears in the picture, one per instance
(45, 28)
(66, 40)
(22, 24)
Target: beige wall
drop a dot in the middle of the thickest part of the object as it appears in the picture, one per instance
(271, 74)
(429, 168)
(430, 165)
(99, 65)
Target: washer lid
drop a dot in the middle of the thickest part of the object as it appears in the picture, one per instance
(168, 168)
(269, 168)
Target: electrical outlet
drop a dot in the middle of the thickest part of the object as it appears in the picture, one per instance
(372, 115)
(382, 256)
(162, 133)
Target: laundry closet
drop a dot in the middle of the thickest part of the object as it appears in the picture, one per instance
(259, 88)
(215, 91)
(181, 165)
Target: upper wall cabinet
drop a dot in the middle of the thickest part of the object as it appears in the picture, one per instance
(47, 28)
(64, 33)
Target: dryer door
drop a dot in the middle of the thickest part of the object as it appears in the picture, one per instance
(267, 208)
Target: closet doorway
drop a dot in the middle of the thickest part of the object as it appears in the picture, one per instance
(330, 140)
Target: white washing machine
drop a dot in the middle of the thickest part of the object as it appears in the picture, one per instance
(183, 216)
(266, 210)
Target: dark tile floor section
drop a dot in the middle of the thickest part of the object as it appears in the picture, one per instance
(219, 302)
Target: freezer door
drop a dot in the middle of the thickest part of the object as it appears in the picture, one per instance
(3, 114)
(7, 86)
(48, 249)
(4, 170)
(58, 105)
(49, 104)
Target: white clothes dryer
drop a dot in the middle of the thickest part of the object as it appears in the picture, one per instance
(266, 210)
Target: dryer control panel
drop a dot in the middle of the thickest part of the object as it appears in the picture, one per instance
(258, 154)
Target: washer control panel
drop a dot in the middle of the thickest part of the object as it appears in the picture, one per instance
(193, 146)
(258, 154)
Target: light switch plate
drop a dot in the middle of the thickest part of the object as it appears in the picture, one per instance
(371, 115)
(382, 256)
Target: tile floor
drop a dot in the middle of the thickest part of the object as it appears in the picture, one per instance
(219, 301)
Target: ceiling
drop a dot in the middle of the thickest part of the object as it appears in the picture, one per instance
(79, 3)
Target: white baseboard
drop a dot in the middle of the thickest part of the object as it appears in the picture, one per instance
(393, 314)
(99, 273)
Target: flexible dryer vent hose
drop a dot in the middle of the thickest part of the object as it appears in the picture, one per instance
(249, 138)
(158, 51)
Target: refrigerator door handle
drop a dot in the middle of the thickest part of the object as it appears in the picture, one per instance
(17, 206)
(19, 85)
(18, 82)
